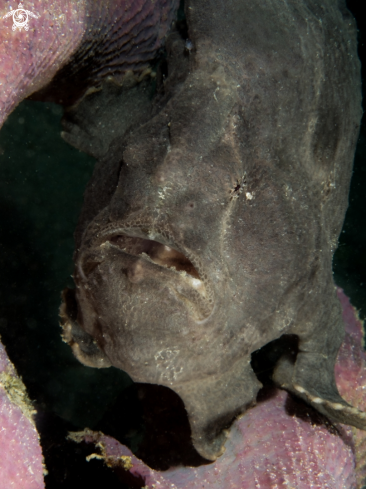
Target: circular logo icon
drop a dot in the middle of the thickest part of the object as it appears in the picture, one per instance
(20, 19)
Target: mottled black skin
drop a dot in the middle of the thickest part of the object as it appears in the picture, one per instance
(242, 166)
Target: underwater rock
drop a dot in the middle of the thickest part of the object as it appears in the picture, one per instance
(72, 45)
(21, 460)
(208, 229)
(280, 443)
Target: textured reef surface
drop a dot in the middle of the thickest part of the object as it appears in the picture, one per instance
(21, 461)
(72, 45)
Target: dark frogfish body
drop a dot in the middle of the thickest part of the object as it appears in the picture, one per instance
(209, 225)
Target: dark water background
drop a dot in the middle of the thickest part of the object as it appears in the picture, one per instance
(42, 180)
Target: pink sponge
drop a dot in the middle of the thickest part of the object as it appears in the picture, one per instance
(20, 453)
(97, 38)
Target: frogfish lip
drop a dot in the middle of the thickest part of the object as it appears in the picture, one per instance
(142, 249)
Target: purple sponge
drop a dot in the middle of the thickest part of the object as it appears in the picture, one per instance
(21, 461)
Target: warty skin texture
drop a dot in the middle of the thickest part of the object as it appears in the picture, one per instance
(282, 443)
(74, 44)
(239, 181)
(300, 447)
